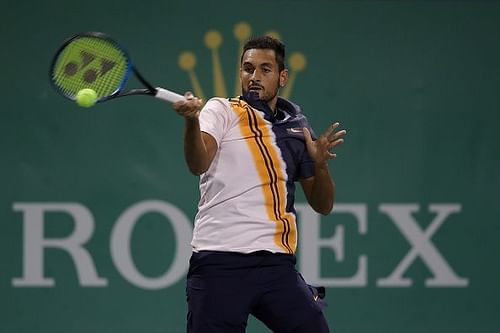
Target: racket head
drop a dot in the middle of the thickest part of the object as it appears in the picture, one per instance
(90, 60)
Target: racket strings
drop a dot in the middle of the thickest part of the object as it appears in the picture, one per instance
(91, 62)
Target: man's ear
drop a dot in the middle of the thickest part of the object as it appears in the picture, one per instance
(283, 77)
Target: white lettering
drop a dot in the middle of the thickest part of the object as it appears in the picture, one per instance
(121, 249)
(34, 244)
(311, 243)
(444, 276)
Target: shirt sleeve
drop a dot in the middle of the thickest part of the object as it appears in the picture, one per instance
(214, 118)
(306, 166)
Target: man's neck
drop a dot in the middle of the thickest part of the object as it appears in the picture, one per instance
(272, 104)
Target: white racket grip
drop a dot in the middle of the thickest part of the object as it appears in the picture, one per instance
(168, 95)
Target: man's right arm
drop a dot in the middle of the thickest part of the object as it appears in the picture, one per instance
(199, 147)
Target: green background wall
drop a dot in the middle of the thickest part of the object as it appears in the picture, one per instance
(415, 83)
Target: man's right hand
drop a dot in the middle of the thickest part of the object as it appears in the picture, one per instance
(189, 108)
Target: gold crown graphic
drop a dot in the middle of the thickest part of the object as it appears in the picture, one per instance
(213, 40)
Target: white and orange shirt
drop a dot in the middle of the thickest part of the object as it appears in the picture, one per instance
(247, 193)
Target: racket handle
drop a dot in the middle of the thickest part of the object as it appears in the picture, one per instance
(168, 95)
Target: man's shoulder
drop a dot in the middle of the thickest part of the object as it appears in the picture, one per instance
(218, 101)
(217, 104)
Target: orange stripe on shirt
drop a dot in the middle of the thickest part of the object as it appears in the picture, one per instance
(272, 172)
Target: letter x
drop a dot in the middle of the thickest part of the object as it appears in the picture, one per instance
(420, 240)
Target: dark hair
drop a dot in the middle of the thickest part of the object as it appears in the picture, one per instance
(267, 42)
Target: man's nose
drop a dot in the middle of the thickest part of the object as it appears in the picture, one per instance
(255, 75)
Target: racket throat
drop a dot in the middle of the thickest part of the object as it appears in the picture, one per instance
(144, 82)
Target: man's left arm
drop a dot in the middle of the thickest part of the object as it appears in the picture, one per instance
(320, 188)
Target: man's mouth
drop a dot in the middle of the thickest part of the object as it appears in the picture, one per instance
(254, 88)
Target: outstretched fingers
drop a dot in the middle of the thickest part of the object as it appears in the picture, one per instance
(334, 138)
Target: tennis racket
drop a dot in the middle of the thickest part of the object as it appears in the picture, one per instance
(94, 60)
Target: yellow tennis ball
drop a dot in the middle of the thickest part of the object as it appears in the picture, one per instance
(86, 97)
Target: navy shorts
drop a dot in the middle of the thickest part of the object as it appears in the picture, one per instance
(223, 288)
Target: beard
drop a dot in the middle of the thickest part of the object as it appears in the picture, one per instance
(263, 95)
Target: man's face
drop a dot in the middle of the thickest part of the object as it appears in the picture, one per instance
(260, 73)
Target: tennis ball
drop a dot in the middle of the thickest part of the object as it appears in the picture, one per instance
(86, 97)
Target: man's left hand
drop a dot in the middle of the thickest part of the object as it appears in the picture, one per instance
(320, 150)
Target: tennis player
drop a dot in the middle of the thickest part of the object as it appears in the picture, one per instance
(249, 152)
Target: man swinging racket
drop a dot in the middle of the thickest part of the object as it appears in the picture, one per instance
(249, 151)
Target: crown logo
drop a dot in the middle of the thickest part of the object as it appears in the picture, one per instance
(213, 41)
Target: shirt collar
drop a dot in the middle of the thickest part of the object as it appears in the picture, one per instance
(282, 105)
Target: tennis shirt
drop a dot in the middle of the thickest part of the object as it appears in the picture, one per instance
(247, 194)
